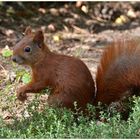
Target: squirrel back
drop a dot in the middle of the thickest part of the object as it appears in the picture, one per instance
(118, 72)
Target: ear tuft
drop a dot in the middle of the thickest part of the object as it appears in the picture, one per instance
(39, 37)
(28, 30)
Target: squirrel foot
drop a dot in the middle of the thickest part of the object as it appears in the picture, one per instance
(21, 95)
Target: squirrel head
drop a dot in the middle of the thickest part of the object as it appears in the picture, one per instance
(30, 48)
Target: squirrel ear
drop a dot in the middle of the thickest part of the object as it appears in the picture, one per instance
(28, 30)
(39, 37)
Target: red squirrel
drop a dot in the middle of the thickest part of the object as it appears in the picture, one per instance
(68, 77)
(118, 72)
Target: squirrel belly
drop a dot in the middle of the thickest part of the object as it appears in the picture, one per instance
(118, 71)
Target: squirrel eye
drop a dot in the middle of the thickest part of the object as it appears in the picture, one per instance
(27, 49)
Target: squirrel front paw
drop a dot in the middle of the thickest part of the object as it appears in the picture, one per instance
(21, 95)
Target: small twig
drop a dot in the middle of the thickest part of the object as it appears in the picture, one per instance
(89, 59)
(3, 69)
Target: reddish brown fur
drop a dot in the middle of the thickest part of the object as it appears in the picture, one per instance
(118, 72)
(68, 77)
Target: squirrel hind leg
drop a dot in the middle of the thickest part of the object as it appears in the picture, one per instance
(60, 100)
(136, 91)
(65, 101)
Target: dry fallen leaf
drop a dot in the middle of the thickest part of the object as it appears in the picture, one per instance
(121, 20)
(42, 10)
(51, 27)
(9, 32)
(131, 13)
(84, 9)
(56, 38)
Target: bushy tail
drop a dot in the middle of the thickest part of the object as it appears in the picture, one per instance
(118, 71)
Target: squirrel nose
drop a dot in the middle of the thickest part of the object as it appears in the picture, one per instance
(14, 59)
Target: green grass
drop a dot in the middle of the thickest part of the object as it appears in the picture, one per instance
(61, 123)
